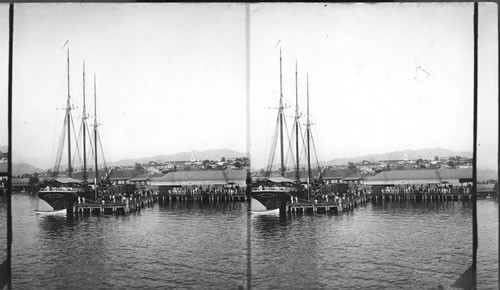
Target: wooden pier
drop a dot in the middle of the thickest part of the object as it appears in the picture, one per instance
(422, 196)
(346, 205)
(128, 206)
(135, 205)
(202, 197)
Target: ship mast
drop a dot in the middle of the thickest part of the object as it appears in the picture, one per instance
(308, 128)
(84, 120)
(95, 141)
(68, 121)
(282, 168)
(297, 124)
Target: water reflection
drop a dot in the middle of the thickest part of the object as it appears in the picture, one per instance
(3, 228)
(205, 207)
(185, 245)
(54, 225)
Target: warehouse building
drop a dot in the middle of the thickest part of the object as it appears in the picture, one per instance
(421, 176)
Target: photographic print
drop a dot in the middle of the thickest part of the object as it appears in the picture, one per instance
(130, 136)
(358, 101)
(250, 145)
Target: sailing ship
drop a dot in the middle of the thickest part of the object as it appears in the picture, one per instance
(62, 192)
(273, 193)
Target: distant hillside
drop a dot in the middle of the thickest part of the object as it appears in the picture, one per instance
(184, 156)
(3, 149)
(399, 155)
(24, 168)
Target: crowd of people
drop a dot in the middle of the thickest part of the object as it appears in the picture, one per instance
(324, 194)
(110, 197)
(427, 189)
(213, 190)
(123, 198)
(337, 198)
(320, 194)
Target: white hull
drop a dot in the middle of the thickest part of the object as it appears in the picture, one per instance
(268, 200)
(257, 208)
(266, 212)
(52, 212)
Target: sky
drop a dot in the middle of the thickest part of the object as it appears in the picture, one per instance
(172, 77)
(382, 77)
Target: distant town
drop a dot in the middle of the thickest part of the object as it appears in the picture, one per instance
(138, 173)
(369, 168)
(144, 173)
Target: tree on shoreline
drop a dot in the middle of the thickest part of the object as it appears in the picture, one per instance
(34, 182)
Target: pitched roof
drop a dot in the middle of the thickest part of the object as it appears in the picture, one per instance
(336, 173)
(124, 174)
(405, 175)
(352, 177)
(66, 180)
(139, 178)
(434, 175)
(20, 181)
(279, 179)
(461, 173)
(202, 176)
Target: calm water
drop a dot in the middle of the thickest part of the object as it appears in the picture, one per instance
(380, 246)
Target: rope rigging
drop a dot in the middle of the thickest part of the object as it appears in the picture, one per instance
(76, 153)
(315, 152)
(290, 148)
(90, 154)
(102, 153)
(273, 147)
(60, 148)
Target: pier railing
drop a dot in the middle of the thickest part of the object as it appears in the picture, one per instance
(326, 204)
(69, 189)
(422, 195)
(124, 205)
(192, 195)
